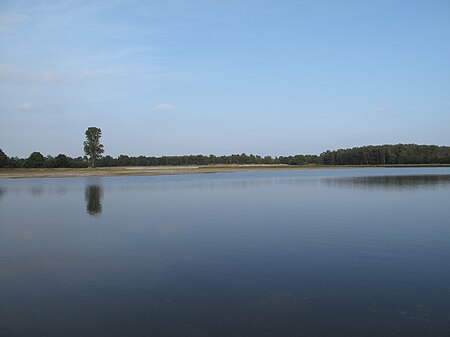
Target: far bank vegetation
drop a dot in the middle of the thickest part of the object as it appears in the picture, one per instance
(399, 154)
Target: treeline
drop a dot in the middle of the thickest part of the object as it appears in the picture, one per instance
(237, 159)
(388, 155)
(366, 155)
(37, 160)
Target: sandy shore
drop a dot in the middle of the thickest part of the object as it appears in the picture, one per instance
(162, 170)
(139, 171)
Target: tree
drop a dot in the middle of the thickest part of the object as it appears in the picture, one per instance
(92, 146)
(3, 159)
(16, 162)
(36, 159)
(61, 160)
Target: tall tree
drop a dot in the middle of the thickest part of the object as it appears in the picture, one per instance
(3, 158)
(92, 146)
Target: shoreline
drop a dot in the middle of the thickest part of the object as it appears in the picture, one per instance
(24, 173)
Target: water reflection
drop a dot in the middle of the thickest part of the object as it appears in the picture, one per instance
(390, 182)
(36, 191)
(93, 196)
(248, 254)
(62, 190)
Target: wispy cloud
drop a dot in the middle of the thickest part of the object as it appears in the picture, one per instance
(97, 73)
(165, 106)
(74, 41)
(37, 107)
(10, 73)
(6, 20)
(25, 106)
(380, 109)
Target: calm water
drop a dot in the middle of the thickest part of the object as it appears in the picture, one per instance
(358, 252)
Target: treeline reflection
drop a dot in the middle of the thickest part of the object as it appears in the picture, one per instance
(389, 182)
(94, 193)
(394, 182)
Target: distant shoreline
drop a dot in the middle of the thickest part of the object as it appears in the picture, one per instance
(21, 173)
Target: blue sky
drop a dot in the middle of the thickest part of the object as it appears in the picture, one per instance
(219, 77)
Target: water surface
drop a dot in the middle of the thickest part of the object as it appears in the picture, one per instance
(354, 252)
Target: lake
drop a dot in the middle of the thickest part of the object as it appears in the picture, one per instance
(351, 252)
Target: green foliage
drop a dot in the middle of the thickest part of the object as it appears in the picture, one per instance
(234, 159)
(3, 159)
(36, 160)
(16, 162)
(366, 155)
(388, 155)
(92, 146)
(62, 160)
(49, 162)
(78, 162)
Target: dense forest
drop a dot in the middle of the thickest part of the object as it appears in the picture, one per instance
(388, 155)
(366, 155)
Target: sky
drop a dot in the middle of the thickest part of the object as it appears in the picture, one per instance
(172, 77)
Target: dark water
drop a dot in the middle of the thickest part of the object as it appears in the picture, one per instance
(287, 253)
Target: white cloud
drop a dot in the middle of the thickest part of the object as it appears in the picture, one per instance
(380, 109)
(165, 106)
(25, 106)
(42, 107)
(11, 73)
(48, 77)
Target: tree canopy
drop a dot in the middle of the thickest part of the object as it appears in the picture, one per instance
(36, 159)
(3, 159)
(388, 155)
(92, 146)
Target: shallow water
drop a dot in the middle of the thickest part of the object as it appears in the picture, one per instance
(353, 252)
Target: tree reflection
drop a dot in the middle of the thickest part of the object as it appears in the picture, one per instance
(93, 196)
(391, 182)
